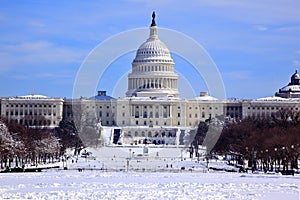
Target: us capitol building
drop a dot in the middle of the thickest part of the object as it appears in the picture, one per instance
(152, 107)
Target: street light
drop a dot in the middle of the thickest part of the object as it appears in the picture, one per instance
(275, 149)
(292, 157)
(181, 154)
(267, 155)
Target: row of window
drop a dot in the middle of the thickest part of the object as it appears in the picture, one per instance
(145, 115)
(150, 106)
(270, 108)
(234, 108)
(30, 105)
(196, 108)
(195, 115)
(264, 114)
(155, 134)
(163, 53)
(101, 114)
(154, 68)
(147, 61)
(35, 122)
(107, 107)
(16, 113)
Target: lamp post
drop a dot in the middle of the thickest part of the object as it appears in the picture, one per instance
(181, 154)
(267, 157)
(275, 149)
(130, 154)
(283, 158)
(292, 157)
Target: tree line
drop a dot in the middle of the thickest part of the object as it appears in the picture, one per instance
(267, 144)
(22, 145)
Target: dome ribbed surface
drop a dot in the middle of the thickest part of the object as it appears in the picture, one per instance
(153, 50)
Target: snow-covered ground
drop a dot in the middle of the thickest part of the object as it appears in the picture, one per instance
(173, 177)
(96, 184)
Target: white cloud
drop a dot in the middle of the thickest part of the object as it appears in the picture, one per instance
(289, 28)
(36, 24)
(296, 63)
(39, 52)
(237, 75)
(261, 27)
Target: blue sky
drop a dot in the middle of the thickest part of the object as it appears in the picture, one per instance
(255, 44)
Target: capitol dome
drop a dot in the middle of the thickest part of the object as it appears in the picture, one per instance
(152, 72)
(153, 50)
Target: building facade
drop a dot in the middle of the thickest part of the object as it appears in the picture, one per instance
(33, 110)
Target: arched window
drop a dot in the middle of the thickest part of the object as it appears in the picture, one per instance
(156, 115)
(151, 114)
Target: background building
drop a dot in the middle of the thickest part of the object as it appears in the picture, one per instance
(33, 110)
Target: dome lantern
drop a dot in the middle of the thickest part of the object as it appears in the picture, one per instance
(295, 79)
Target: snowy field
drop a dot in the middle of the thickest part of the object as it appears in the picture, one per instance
(96, 184)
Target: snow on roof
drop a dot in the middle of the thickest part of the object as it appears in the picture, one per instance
(33, 96)
(151, 98)
(30, 97)
(274, 98)
(206, 98)
(101, 98)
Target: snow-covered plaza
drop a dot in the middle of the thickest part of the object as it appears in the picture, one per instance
(97, 184)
